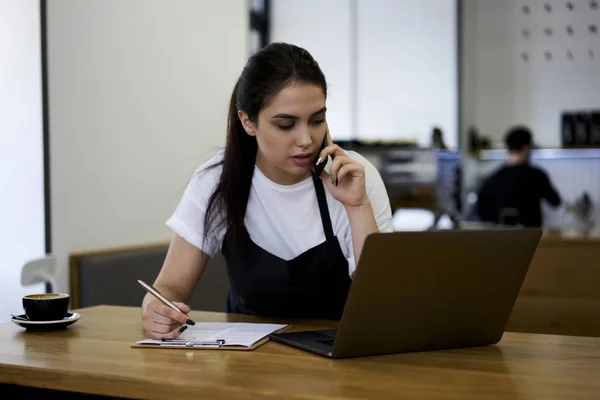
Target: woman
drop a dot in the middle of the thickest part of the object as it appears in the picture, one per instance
(290, 238)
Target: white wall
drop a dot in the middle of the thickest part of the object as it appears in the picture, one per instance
(322, 28)
(504, 89)
(407, 70)
(391, 65)
(138, 96)
(468, 67)
(21, 155)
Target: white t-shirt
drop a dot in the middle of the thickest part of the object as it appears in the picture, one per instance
(282, 219)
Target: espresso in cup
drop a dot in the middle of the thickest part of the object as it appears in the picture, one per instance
(46, 306)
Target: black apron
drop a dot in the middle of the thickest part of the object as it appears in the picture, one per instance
(313, 285)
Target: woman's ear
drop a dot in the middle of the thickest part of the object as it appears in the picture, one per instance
(246, 123)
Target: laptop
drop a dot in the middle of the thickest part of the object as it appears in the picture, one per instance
(421, 291)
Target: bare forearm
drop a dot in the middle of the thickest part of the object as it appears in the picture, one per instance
(362, 224)
(183, 268)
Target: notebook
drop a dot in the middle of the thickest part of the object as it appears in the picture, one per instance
(217, 335)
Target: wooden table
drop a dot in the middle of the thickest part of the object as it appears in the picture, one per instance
(94, 356)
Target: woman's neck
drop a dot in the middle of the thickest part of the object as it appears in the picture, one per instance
(276, 174)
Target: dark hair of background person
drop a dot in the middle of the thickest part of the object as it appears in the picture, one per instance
(518, 138)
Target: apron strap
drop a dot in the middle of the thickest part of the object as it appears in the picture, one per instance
(324, 210)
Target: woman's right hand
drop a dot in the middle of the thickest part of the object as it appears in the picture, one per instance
(162, 322)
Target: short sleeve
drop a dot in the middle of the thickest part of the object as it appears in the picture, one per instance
(379, 198)
(187, 220)
(380, 204)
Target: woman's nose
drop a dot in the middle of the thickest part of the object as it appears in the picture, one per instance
(304, 138)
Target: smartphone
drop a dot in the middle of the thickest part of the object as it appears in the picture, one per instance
(319, 168)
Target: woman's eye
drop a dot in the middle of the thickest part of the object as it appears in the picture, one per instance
(291, 126)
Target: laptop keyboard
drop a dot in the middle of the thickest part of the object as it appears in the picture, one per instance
(328, 333)
(327, 342)
(327, 337)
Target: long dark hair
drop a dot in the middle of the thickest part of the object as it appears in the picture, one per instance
(267, 72)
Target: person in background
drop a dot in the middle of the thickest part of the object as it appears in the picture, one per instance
(437, 139)
(512, 195)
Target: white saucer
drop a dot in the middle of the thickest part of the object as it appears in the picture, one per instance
(70, 318)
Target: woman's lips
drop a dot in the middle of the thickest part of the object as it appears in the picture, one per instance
(302, 160)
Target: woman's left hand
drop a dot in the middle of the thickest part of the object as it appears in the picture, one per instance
(346, 177)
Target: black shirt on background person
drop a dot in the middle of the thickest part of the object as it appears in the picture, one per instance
(513, 194)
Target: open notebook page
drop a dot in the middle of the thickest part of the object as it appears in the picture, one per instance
(232, 333)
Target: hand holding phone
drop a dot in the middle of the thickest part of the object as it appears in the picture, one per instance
(344, 170)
